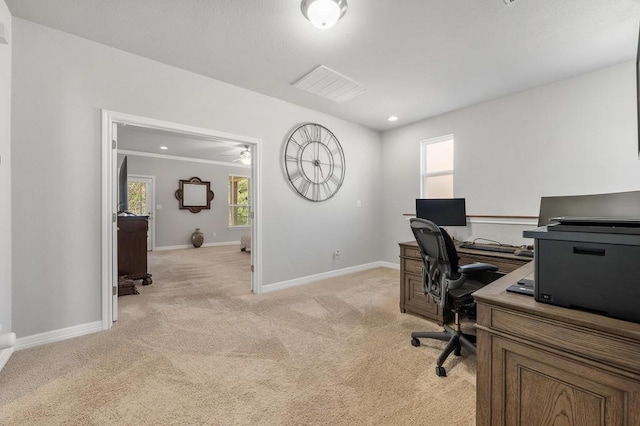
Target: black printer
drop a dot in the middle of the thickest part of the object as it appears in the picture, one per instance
(591, 264)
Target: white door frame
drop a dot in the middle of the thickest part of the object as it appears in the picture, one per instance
(152, 223)
(109, 196)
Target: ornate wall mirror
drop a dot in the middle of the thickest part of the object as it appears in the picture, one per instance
(194, 195)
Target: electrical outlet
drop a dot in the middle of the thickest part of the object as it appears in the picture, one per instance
(336, 254)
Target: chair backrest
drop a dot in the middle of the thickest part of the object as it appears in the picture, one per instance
(439, 255)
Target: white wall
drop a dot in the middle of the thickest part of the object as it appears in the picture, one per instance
(64, 81)
(174, 226)
(5, 173)
(577, 136)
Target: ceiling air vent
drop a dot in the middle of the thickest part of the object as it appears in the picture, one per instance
(330, 84)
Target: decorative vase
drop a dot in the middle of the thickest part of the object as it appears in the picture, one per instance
(197, 238)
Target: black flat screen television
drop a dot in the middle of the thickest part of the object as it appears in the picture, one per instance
(123, 204)
(442, 211)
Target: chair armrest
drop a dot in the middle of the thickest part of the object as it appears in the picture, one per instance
(474, 268)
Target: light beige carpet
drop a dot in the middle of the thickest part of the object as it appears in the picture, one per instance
(197, 347)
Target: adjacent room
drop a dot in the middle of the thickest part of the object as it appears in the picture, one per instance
(319, 212)
(152, 167)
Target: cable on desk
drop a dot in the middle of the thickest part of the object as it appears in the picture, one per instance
(486, 239)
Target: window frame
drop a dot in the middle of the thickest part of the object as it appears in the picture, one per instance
(230, 206)
(424, 174)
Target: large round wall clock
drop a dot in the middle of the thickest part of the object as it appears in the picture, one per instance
(314, 162)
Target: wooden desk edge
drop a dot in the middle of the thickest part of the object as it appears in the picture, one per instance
(498, 288)
(496, 294)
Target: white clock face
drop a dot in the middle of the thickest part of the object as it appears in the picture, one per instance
(314, 162)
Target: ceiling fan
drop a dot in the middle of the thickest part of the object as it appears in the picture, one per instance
(243, 157)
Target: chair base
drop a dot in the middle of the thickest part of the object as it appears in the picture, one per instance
(456, 341)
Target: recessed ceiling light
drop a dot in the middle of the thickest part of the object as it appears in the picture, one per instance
(393, 118)
(163, 147)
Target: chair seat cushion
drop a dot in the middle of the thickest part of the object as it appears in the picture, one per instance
(463, 294)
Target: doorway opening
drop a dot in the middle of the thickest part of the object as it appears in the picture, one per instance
(141, 195)
(110, 122)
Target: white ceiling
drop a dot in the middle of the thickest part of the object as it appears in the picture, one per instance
(145, 141)
(417, 58)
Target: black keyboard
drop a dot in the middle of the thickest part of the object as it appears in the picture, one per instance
(486, 247)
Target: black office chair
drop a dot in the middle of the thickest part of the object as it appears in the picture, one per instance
(448, 285)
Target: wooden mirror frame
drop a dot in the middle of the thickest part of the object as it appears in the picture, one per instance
(194, 194)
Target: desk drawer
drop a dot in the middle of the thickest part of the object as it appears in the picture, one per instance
(566, 338)
(412, 297)
(412, 266)
(419, 303)
(410, 252)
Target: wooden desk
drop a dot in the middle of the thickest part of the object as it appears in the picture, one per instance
(540, 364)
(412, 297)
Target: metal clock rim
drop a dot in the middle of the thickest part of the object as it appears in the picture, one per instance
(340, 152)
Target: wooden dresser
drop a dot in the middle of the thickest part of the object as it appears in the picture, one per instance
(412, 297)
(540, 364)
(132, 248)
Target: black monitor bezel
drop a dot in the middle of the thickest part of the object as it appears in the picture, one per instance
(457, 205)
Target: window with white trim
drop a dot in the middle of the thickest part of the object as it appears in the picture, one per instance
(436, 167)
(239, 201)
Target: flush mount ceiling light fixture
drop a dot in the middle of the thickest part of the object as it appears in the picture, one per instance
(323, 13)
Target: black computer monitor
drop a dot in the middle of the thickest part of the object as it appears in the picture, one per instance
(615, 205)
(442, 211)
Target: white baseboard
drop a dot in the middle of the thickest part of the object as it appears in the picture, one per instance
(5, 354)
(190, 246)
(57, 335)
(163, 248)
(325, 275)
(390, 265)
(222, 243)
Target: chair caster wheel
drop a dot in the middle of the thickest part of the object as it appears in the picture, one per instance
(457, 352)
(441, 372)
(415, 342)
